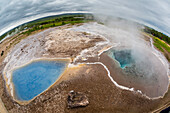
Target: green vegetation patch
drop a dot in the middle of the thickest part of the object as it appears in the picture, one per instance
(160, 44)
(157, 34)
(47, 22)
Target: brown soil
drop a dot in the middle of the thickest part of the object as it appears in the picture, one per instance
(104, 96)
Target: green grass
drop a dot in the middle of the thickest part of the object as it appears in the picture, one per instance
(45, 26)
(48, 22)
(157, 34)
(160, 44)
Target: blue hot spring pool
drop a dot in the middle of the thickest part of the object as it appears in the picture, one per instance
(123, 57)
(34, 78)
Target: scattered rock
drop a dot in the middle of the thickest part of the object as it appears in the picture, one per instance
(2, 53)
(77, 99)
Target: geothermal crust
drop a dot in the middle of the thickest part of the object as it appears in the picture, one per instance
(83, 44)
(150, 74)
(54, 43)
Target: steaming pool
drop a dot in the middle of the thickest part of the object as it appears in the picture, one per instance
(123, 57)
(139, 70)
(35, 77)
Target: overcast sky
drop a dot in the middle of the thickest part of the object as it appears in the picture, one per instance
(154, 13)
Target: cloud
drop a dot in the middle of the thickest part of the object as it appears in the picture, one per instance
(147, 65)
(13, 12)
(154, 13)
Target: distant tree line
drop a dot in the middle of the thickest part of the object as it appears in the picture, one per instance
(50, 22)
(157, 34)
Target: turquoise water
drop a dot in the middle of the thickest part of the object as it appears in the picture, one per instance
(34, 78)
(123, 57)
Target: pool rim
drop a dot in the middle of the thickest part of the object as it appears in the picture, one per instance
(22, 102)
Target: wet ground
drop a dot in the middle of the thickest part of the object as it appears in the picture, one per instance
(152, 86)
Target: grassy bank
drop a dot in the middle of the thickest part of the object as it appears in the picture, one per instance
(160, 44)
(52, 24)
(47, 22)
(160, 41)
(157, 34)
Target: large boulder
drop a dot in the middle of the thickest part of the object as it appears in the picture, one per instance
(77, 99)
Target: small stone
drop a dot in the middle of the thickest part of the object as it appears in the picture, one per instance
(77, 99)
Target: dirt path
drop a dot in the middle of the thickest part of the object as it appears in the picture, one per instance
(2, 107)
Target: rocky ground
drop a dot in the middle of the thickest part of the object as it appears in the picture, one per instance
(51, 43)
(103, 95)
(92, 80)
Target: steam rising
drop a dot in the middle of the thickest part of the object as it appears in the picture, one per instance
(126, 34)
(149, 64)
(154, 13)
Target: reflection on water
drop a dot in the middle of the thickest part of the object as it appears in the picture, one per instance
(34, 78)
